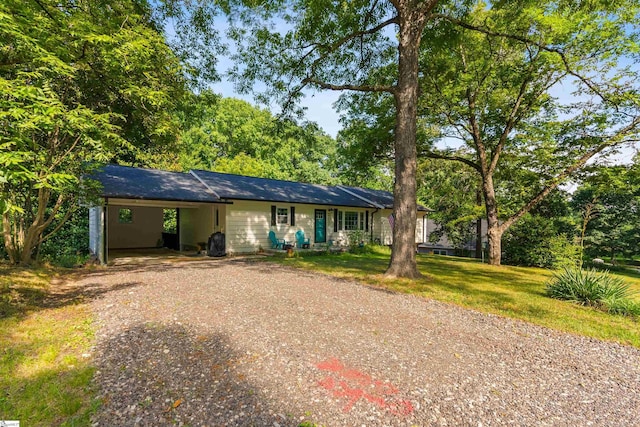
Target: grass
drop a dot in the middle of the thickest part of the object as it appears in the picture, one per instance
(44, 378)
(516, 292)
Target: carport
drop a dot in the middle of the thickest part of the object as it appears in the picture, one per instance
(139, 203)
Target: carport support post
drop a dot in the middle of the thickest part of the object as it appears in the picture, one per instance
(105, 233)
(178, 233)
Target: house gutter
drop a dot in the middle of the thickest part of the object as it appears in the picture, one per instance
(364, 199)
(195, 175)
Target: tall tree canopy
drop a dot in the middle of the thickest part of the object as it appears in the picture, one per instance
(608, 201)
(326, 45)
(80, 83)
(231, 135)
(528, 90)
(453, 193)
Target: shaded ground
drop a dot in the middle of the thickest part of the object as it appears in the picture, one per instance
(232, 342)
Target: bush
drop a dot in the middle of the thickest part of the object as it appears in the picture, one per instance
(592, 288)
(355, 239)
(535, 241)
(70, 260)
(624, 306)
(69, 247)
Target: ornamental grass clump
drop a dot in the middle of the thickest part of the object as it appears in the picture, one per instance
(593, 288)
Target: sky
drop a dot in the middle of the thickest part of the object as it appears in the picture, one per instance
(319, 105)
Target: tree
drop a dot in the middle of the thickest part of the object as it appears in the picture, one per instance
(453, 193)
(608, 201)
(344, 46)
(231, 135)
(75, 80)
(495, 74)
(545, 236)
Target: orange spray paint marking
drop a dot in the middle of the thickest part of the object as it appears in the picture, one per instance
(355, 385)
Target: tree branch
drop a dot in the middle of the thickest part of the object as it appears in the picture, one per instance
(329, 48)
(528, 41)
(434, 155)
(58, 226)
(609, 142)
(357, 88)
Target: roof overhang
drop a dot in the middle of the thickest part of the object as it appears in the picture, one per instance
(167, 204)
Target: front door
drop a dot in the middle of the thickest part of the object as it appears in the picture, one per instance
(321, 226)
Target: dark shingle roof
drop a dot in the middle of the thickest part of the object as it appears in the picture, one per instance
(239, 187)
(204, 186)
(151, 184)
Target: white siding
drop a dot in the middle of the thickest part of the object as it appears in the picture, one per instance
(248, 224)
(145, 231)
(382, 228)
(341, 237)
(196, 225)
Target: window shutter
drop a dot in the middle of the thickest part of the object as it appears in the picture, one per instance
(335, 220)
(273, 215)
(366, 221)
(293, 215)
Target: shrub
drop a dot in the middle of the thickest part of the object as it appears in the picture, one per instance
(355, 239)
(592, 288)
(70, 260)
(623, 306)
(538, 242)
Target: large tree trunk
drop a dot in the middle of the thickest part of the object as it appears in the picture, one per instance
(494, 229)
(479, 226)
(8, 237)
(403, 253)
(494, 236)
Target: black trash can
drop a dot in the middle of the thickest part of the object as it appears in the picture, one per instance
(216, 245)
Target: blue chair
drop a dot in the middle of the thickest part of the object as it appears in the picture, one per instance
(275, 242)
(301, 242)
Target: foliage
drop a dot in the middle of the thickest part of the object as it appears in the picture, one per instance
(544, 237)
(82, 83)
(492, 74)
(356, 241)
(516, 292)
(170, 221)
(609, 203)
(533, 242)
(44, 377)
(230, 135)
(453, 193)
(592, 288)
(359, 46)
(69, 246)
(624, 306)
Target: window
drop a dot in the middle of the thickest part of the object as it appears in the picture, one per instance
(351, 220)
(125, 216)
(283, 216)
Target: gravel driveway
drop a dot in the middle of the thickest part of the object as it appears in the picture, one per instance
(235, 342)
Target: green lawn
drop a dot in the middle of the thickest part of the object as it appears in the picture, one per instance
(44, 378)
(516, 292)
